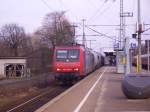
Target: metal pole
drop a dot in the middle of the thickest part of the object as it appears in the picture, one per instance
(148, 54)
(83, 38)
(55, 39)
(127, 56)
(90, 44)
(139, 36)
(121, 24)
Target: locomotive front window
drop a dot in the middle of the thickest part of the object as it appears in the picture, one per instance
(68, 55)
(61, 54)
(73, 54)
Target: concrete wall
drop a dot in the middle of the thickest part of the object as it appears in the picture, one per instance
(4, 62)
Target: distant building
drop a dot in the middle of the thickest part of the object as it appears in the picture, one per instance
(12, 67)
(110, 58)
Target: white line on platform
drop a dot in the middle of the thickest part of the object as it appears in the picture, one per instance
(44, 107)
(89, 92)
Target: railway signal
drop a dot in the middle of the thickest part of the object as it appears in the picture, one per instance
(134, 35)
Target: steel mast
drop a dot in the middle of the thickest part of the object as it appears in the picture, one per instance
(139, 31)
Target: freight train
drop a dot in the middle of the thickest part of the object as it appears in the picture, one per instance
(144, 59)
(144, 56)
(74, 62)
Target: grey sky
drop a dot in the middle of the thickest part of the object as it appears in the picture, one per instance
(30, 13)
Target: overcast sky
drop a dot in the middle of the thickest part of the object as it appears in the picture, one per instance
(30, 13)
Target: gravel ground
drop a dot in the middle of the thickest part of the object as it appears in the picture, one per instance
(13, 90)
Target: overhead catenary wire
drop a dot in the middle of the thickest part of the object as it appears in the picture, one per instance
(67, 9)
(103, 25)
(104, 35)
(100, 11)
(115, 25)
(91, 3)
(146, 30)
(96, 12)
(146, 34)
(61, 4)
(47, 5)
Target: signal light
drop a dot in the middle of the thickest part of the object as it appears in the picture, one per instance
(134, 35)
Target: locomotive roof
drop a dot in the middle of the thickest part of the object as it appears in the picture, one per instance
(78, 46)
(62, 47)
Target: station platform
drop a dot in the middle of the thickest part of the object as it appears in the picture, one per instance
(98, 92)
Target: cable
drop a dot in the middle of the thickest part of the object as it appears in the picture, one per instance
(97, 11)
(111, 25)
(103, 25)
(101, 34)
(91, 3)
(46, 4)
(61, 4)
(145, 34)
(146, 29)
(147, 24)
(106, 9)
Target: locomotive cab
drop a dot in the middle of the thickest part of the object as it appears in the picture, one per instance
(67, 63)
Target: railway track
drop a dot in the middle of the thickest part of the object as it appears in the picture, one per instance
(35, 102)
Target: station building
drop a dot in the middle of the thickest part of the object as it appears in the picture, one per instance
(110, 56)
(12, 67)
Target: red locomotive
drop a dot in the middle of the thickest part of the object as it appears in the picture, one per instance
(74, 62)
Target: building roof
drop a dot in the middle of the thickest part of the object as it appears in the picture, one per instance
(108, 49)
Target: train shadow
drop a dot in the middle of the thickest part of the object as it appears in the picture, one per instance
(64, 84)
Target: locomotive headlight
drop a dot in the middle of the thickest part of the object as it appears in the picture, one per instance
(76, 69)
(58, 69)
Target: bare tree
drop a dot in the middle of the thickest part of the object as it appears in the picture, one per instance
(56, 29)
(13, 37)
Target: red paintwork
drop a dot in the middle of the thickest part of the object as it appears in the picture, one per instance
(66, 67)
